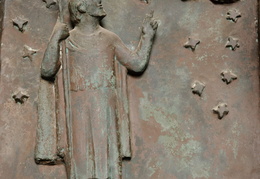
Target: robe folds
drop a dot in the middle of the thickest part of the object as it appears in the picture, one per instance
(96, 137)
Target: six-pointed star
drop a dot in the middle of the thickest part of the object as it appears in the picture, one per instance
(221, 109)
(228, 76)
(49, 3)
(20, 97)
(233, 15)
(232, 43)
(192, 43)
(197, 88)
(20, 23)
(28, 52)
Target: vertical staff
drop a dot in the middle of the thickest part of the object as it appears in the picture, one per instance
(66, 86)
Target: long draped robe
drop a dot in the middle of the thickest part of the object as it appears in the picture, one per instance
(99, 110)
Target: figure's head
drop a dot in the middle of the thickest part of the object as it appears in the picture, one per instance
(79, 8)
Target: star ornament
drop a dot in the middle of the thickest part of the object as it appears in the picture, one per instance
(49, 3)
(20, 23)
(228, 76)
(233, 15)
(192, 43)
(28, 52)
(232, 43)
(197, 88)
(221, 110)
(20, 97)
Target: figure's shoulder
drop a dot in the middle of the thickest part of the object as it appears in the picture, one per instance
(79, 39)
(73, 32)
(109, 34)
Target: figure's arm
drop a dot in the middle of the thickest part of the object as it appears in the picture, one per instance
(51, 63)
(138, 60)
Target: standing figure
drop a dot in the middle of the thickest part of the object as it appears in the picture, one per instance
(92, 51)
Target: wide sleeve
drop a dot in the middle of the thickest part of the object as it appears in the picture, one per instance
(123, 111)
(46, 143)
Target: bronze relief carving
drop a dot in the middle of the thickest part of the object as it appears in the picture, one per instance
(192, 43)
(221, 110)
(95, 93)
(233, 15)
(49, 3)
(228, 76)
(20, 96)
(87, 101)
(20, 23)
(28, 52)
(232, 43)
(198, 87)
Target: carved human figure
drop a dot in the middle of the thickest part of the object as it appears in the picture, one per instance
(92, 52)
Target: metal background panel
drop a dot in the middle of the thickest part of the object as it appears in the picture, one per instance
(174, 133)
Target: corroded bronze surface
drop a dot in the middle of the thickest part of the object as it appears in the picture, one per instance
(93, 63)
(175, 106)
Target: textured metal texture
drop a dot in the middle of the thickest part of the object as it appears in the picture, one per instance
(175, 132)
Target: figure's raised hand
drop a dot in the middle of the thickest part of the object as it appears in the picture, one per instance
(150, 25)
(60, 31)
